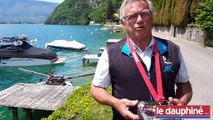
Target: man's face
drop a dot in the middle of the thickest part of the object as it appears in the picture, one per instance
(137, 20)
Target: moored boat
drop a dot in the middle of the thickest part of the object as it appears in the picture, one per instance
(51, 78)
(57, 80)
(16, 51)
(64, 44)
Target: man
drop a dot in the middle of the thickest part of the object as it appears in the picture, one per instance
(140, 67)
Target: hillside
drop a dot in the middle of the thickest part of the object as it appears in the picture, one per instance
(73, 12)
(25, 11)
(83, 11)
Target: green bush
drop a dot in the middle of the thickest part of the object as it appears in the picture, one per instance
(181, 13)
(81, 106)
(172, 12)
(193, 10)
(163, 12)
(205, 16)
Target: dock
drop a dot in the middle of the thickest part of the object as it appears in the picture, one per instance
(88, 57)
(112, 41)
(34, 97)
(95, 57)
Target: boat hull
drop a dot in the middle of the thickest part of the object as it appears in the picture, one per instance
(10, 62)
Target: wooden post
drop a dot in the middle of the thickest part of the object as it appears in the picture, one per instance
(29, 114)
(83, 59)
(14, 112)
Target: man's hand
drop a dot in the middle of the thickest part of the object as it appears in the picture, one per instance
(102, 96)
(183, 94)
(123, 107)
(177, 102)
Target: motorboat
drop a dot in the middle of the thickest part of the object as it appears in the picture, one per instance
(16, 51)
(51, 78)
(64, 44)
(57, 80)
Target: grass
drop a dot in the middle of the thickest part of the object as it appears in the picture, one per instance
(81, 106)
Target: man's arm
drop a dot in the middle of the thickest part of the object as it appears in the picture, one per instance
(102, 96)
(183, 93)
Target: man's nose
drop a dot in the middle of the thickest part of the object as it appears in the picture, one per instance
(140, 18)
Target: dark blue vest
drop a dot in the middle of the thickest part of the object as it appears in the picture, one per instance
(126, 79)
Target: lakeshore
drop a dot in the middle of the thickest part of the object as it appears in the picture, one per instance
(91, 36)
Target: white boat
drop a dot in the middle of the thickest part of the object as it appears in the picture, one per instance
(64, 44)
(16, 51)
(105, 28)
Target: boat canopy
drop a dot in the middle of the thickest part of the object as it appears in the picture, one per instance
(25, 50)
(64, 44)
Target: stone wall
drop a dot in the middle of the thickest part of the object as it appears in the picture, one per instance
(194, 34)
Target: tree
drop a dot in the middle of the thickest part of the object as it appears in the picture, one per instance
(110, 9)
(205, 16)
(181, 13)
(193, 9)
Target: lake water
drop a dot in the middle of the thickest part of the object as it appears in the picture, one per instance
(91, 36)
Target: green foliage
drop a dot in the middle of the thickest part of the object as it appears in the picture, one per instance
(109, 9)
(172, 12)
(163, 12)
(81, 12)
(116, 5)
(105, 11)
(193, 9)
(81, 106)
(181, 13)
(99, 15)
(70, 12)
(205, 16)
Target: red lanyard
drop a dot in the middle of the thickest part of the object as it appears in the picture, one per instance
(158, 97)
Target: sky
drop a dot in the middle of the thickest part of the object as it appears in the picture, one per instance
(53, 1)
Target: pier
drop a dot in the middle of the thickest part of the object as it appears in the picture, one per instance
(89, 57)
(95, 57)
(112, 41)
(34, 97)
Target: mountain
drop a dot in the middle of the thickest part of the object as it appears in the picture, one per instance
(25, 11)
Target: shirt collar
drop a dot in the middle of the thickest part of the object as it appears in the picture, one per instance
(137, 48)
(161, 47)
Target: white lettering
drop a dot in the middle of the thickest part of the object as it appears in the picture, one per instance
(181, 111)
(159, 111)
(168, 111)
(135, 56)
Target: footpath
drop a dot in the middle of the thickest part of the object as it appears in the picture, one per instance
(199, 62)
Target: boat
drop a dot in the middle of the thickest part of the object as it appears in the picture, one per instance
(105, 28)
(51, 78)
(55, 79)
(16, 51)
(64, 44)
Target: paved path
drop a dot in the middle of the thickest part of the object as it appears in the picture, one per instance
(199, 62)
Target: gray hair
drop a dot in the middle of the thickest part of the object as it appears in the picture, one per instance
(125, 2)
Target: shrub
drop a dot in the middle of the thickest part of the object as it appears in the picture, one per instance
(81, 106)
(205, 16)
